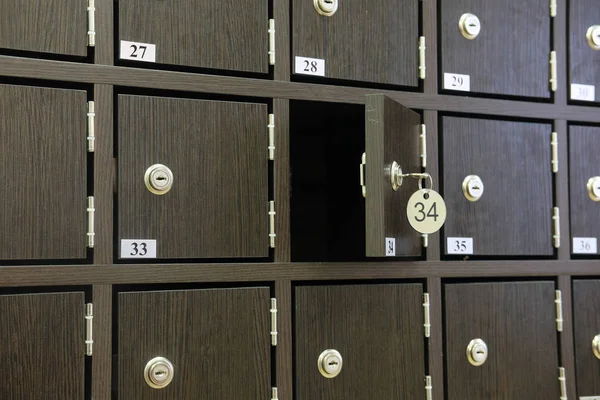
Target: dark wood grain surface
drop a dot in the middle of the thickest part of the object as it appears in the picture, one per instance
(584, 163)
(48, 26)
(431, 120)
(211, 33)
(281, 165)
(378, 330)
(512, 159)
(391, 134)
(43, 167)
(561, 188)
(517, 322)
(219, 201)
(102, 297)
(217, 340)
(583, 60)
(104, 50)
(285, 361)
(43, 346)
(375, 41)
(281, 14)
(436, 339)
(567, 353)
(586, 325)
(501, 60)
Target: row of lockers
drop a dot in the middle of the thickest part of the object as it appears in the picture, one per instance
(489, 47)
(193, 179)
(358, 341)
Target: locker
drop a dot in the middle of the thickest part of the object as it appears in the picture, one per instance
(193, 178)
(194, 344)
(369, 42)
(586, 326)
(331, 220)
(47, 26)
(584, 188)
(501, 341)
(377, 331)
(495, 47)
(43, 344)
(498, 187)
(43, 170)
(224, 35)
(584, 50)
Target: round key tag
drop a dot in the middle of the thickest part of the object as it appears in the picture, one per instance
(426, 211)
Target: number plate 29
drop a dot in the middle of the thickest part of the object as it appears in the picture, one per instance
(138, 248)
(426, 211)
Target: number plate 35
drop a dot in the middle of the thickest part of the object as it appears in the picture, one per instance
(426, 211)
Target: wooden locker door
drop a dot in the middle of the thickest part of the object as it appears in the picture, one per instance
(392, 133)
(227, 35)
(217, 152)
(583, 59)
(513, 217)
(48, 26)
(43, 344)
(584, 142)
(586, 326)
(517, 321)
(377, 329)
(375, 41)
(43, 170)
(218, 342)
(511, 54)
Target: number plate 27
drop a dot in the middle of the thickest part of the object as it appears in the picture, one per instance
(137, 51)
(138, 248)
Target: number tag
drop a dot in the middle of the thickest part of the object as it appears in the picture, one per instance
(138, 248)
(138, 51)
(310, 66)
(459, 245)
(457, 82)
(426, 211)
(583, 92)
(390, 247)
(585, 245)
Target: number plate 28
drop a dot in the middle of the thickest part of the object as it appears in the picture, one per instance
(309, 66)
(138, 248)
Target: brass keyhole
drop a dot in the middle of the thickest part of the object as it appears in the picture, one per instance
(158, 373)
(330, 363)
(593, 37)
(326, 8)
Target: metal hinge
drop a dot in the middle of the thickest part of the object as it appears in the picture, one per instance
(271, 42)
(363, 165)
(562, 380)
(272, 234)
(89, 322)
(554, 148)
(90, 212)
(91, 137)
(553, 8)
(427, 316)
(91, 34)
(428, 388)
(273, 321)
(423, 145)
(271, 128)
(422, 67)
(553, 72)
(556, 227)
(274, 394)
(559, 311)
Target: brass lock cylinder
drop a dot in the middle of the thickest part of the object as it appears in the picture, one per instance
(593, 37)
(326, 8)
(593, 188)
(469, 26)
(472, 188)
(158, 373)
(596, 346)
(158, 179)
(477, 352)
(330, 363)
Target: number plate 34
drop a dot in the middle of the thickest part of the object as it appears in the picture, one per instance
(426, 211)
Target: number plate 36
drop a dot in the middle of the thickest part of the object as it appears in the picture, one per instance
(426, 211)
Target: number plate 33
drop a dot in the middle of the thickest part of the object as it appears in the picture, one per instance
(426, 211)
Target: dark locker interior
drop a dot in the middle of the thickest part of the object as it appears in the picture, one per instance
(299, 199)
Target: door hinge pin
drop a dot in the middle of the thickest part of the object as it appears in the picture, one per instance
(554, 145)
(553, 8)
(553, 72)
(90, 212)
(274, 395)
(427, 315)
(556, 227)
(425, 240)
(91, 138)
(562, 379)
(89, 322)
(272, 234)
(422, 67)
(559, 311)
(271, 127)
(363, 165)
(91, 11)
(273, 322)
(423, 137)
(272, 42)
(428, 388)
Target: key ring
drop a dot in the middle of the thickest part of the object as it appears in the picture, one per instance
(421, 177)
